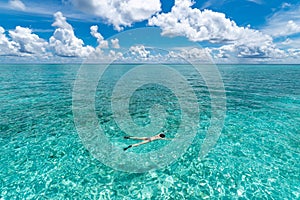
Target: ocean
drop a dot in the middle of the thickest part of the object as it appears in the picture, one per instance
(256, 156)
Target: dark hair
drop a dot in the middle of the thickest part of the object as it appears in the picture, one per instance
(162, 135)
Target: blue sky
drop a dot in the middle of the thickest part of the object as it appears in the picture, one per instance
(230, 31)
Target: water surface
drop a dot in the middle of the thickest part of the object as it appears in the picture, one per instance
(256, 157)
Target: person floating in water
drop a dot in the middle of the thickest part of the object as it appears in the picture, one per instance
(160, 136)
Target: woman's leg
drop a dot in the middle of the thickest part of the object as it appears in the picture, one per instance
(137, 144)
(135, 138)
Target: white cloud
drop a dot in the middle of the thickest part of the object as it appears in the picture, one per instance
(260, 52)
(283, 28)
(284, 23)
(285, 5)
(61, 21)
(290, 43)
(7, 47)
(235, 43)
(257, 45)
(287, 41)
(207, 25)
(96, 34)
(295, 53)
(115, 55)
(28, 42)
(115, 43)
(224, 51)
(21, 42)
(256, 1)
(196, 25)
(211, 2)
(119, 12)
(292, 28)
(64, 42)
(250, 48)
(100, 40)
(186, 55)
(196, 54)
(17, 5)
(139, 51)
(142, 54)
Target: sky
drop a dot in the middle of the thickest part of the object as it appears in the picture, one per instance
(229, 31)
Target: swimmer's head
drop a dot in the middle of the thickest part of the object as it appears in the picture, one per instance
(162, 135)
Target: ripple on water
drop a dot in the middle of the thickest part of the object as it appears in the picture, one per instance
(256, 156)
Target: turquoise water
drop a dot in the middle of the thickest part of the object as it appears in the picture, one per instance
(257, 155)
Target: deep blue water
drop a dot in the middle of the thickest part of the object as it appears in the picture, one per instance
(256, 157)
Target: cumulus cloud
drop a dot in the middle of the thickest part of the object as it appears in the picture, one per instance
(290, 43)
(7, 47)
(224, 51)
(196, 25)
(259, 52)
(257, 45)
(115, 43)
(142, 54)
(292, 27)
(287, 41)
(139, 51)
(64, 42)
(186, 55)
(214, 27)
(61, 21)
(295, 53)
(115, 55)
(260, 48)
(286, 29)
(284, 23)
(28, 42)
(231, 41)
(21, 42)
(100, 40)
(195, 54)
(17, 5)
(119, 12)
(96, 34)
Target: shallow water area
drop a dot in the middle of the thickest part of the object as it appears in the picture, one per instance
(256, 157)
